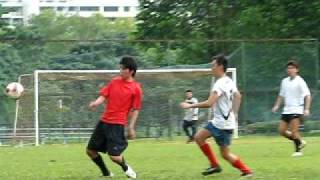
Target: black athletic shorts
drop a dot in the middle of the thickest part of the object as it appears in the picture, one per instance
(288, 117)
(108, 138)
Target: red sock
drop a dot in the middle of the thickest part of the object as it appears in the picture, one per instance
(205, 148)
(241, 166)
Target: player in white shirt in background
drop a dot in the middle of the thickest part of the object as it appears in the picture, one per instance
(225, 100)
(295, 93)
(191, 117)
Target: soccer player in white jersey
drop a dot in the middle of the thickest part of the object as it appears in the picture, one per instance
(191, 116)
(295, 93)
(225, 100)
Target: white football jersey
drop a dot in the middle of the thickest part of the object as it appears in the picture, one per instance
(293, 91)
(223, 116)
(191, 114)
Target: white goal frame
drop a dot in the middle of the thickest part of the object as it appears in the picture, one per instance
(38, 72)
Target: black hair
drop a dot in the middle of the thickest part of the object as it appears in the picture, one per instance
(293, 63)
(188, 90)
(221, 60)
(129, 62)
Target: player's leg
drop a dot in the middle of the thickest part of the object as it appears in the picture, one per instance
(200, 139)
(283, 127)
(235, 161)
(299, 143)
(193, 128)
(97, 143)
(117, 144)
(185, 126)
(223, 139)
(123, 164)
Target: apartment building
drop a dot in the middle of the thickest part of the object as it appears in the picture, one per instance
(20, 11)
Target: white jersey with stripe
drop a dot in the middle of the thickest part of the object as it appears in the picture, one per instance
(192, 113)
(293, 92)
(223, 116)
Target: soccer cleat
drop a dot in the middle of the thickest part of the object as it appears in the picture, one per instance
(247, 174)
(297, 154)
(211, 170)
(130, 173)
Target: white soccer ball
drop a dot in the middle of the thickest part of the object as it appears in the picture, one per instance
(14, 90)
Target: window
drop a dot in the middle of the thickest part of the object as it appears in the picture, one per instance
(73, 8)
(111, 8)
(126, 9)
(6, 20)
(60, 8)
(17, 21)
(44, 8)
(89, 8)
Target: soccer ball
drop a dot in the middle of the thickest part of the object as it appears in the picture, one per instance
(14, 90)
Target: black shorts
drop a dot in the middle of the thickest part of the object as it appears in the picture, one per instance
(288, 117)
(108, 138)
(187, 124)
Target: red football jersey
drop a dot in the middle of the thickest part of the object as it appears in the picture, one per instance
(121, 96)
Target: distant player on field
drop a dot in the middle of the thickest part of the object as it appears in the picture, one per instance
(225, 100)
(122, 97)
(191, 116)
(295, 93)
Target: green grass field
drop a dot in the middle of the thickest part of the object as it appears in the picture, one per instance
(269, 158)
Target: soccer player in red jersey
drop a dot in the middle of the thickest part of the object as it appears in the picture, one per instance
(122, 97)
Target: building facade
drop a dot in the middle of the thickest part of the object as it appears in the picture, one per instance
(20, 11)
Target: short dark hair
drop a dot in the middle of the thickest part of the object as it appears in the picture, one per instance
(221, 60)
(129, 62)
(293, 63)
(188, 90)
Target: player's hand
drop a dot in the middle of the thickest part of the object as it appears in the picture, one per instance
(131, 133)
(93, 105)
(185, 105)
(306, 112)
(275, 109)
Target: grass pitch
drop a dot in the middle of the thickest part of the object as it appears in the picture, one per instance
(269, 158)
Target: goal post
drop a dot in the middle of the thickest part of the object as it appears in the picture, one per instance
(60, 99)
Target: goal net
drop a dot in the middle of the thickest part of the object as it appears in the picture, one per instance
(54, 108)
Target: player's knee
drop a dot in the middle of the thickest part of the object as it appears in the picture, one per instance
(199, 140)
(116, 159)
(91, 153)
(225, 155)
(295, 134)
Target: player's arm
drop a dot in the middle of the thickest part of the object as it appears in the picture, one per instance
(279, 99)
(132, 123)
(277, 104)
(204, 104)
(134, 113)
(97, 102)
(195, 110)
(307, 98)
(307, 104)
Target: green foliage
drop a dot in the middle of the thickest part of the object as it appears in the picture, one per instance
(202, 20)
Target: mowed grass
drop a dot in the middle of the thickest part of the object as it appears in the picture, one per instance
(269, 158)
